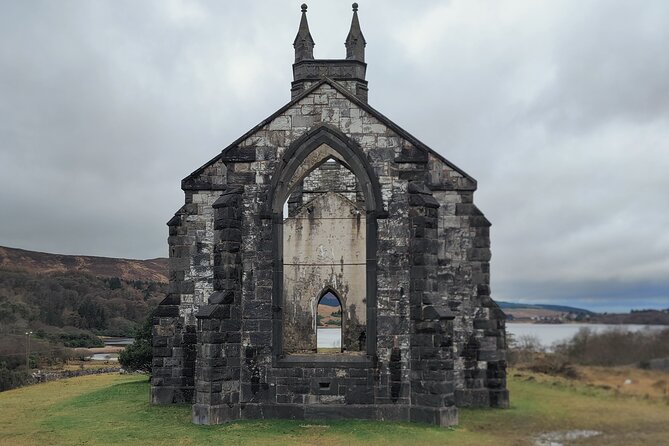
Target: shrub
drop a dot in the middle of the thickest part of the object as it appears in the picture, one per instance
(552, 364)
(138, 356)
(120, 326)
(10, 379)
(615, 347)
(75, 340)
(523, 349)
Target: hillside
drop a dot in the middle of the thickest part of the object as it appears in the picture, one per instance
(68, 301)
(329, 316)
(153, 270)
(544, 313)
(639, 317)
(56, 293)
(523, 312)
(553, 308)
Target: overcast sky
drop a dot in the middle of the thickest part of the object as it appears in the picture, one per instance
(560, 110)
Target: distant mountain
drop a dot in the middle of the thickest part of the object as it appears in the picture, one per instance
(67, 300)
(556, 308)
(521, 312)
(152, 270)
(640, 317)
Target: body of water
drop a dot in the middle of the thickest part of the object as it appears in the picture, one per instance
(104, 357)
(549, 334)
(328, 338)
(119, 342)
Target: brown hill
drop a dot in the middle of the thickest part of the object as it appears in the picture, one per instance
(153, 270)
(327, 319)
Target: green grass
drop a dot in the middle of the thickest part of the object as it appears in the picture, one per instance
(114, 409)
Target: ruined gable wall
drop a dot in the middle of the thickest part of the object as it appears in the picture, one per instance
(191, 254)
(252, 164)
(479, 340)
(190, 250)
(381, 146)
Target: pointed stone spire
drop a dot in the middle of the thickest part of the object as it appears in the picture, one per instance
(304, 43)
(349, 72)
(355, 41)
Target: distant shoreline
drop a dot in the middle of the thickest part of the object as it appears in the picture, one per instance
(520, 321)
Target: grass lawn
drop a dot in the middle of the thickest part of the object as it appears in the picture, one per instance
(114, 409)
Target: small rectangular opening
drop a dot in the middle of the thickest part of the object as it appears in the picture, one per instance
(324, 386)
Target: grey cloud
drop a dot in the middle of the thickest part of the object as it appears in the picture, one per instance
(593, 295)
(609, 65)
(558, 109)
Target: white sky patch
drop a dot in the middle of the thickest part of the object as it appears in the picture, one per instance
(598, 204)
(183, 12)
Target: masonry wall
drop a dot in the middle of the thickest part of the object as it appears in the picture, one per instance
(479, 337)
(432, 308)
(329, 177)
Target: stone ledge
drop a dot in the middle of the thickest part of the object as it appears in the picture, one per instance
(319, 360)
(219, 414)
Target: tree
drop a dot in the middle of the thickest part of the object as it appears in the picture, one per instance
(138, 355)
(92, 315)
(115, 283)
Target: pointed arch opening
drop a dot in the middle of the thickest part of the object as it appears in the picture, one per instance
(329, 323)
(324, 203)
(324, 248)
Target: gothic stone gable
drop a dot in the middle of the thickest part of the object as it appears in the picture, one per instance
(431, 336)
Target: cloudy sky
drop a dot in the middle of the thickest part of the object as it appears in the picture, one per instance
(559, 109)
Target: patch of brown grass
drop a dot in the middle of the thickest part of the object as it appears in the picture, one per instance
(630, 381)
(550, 364)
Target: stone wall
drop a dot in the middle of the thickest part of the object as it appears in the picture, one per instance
(432, 330)
(479, 324)
(330, 176)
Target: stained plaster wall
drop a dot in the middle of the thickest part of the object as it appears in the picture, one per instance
(324, 247)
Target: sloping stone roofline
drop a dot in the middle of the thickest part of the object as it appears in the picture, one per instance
(350, 96)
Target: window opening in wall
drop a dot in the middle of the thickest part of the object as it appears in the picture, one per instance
(328, 324)
(324, 249)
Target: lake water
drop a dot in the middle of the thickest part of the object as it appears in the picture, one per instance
(120, 342)
(329, 338)
(104, 357)
(549, 334)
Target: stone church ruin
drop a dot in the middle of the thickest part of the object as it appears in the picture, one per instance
(327, 264)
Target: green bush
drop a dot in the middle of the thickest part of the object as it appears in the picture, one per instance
(10, 379)
(78, 340)
(138, 356)
(121, 327)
